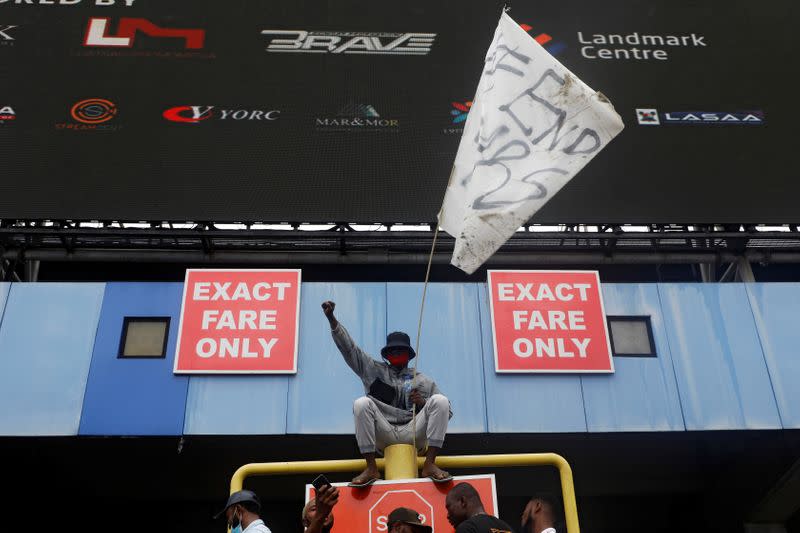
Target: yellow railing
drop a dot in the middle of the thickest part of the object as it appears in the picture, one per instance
(454, 461)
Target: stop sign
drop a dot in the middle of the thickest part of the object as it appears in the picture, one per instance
(393, 499)
(366, 510)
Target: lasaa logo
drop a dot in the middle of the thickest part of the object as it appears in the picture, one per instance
(647, 117)
(544, 39)
(651, 117)
(97, 33)
(194, 114)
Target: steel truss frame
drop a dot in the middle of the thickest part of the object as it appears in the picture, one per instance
(27, 242)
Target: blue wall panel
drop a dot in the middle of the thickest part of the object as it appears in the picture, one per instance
(642, 394)
(236, 405)
(46, 341)
(321, 395)
(721, 372)
(137, 396)
(528, 403)
(776, 308)
(450, 347)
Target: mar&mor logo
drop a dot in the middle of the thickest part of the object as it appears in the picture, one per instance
(91, 114)
(359, 116)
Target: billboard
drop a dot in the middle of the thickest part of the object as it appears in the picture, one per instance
(548, 321)
(301, 111)
(239, 322)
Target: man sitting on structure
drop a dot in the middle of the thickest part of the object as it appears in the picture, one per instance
(384, 416)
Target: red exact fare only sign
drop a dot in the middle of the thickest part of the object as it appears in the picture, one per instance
(548, 321)
(239, 321)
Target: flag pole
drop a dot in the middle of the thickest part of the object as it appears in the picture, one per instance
(422, 309)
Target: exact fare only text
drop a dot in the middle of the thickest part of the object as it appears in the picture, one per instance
(555, 344)
(240, 320)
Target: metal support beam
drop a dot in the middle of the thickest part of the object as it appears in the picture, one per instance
(729, 273)
(398, 258)
(707, 273)
(744, 272)
(454, 461)
(32, 269)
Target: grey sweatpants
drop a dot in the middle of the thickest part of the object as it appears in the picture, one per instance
(374, 432)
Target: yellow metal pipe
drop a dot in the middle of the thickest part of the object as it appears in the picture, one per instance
(453, 461)
(400, 462)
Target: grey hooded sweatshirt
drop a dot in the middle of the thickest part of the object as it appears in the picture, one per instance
(388, 386)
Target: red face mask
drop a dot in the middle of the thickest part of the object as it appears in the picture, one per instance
(398, 359)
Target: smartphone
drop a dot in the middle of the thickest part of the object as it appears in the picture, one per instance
(320, 481)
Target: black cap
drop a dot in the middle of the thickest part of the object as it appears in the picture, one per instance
(398, 339)
(240, 497)
(404, 515)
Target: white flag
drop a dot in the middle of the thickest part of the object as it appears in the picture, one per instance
(532, 126)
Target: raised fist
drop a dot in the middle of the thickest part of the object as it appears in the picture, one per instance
(328, 307)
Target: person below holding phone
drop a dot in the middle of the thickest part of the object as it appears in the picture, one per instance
(384, 416)
(317, 514)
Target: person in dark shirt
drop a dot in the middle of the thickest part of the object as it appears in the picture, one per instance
(466, 513)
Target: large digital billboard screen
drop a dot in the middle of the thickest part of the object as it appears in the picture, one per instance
(311, 111)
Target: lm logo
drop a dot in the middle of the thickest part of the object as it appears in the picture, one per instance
(96, 33)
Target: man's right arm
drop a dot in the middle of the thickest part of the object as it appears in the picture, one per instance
(353, 355)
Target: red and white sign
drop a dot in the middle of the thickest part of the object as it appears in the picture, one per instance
(366, 510)
(239, 322)
(548, 321)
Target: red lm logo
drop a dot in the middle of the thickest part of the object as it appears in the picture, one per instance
(379, 513)
(97, 33)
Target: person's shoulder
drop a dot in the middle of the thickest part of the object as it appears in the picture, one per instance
(261, 528)
(467, 526)
(496, 524)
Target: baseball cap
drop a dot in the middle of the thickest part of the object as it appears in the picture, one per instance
(240, 497)
(404, 515)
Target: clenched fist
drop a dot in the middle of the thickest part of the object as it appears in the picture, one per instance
(327, 308)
